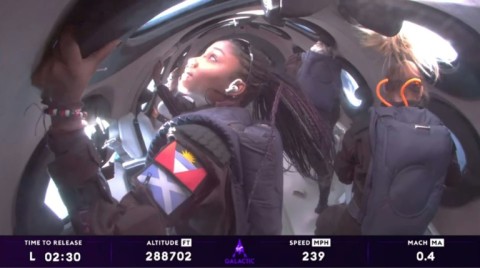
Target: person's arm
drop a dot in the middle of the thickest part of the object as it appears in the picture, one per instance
(345, 159)
(85, 192)
(63, 76)
(175, 103)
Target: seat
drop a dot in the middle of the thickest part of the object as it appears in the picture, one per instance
(130, 136)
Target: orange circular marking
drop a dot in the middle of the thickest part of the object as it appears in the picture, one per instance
(404, 87)
(379, 94)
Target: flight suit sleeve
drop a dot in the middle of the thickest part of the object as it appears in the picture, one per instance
(345, 159)
(85, 192)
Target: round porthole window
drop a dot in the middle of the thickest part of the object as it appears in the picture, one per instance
(422, 39)
(356, 96)
(350, 86)
(461, 157)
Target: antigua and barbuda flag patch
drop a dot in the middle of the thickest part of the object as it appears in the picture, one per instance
(174, 185)
(183, 164)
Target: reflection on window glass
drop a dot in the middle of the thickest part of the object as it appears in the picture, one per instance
(234, 21)
(462, 159)
(473, 3)
(257, 12)
(151, 86)
(176, 10)
(54, 201)
(305, 28)
(422, 40)
(349, 88)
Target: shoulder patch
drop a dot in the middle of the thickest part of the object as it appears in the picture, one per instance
(173, 177)
(183, 164)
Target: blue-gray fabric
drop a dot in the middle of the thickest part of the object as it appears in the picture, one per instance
(319, 78)
(411, 150)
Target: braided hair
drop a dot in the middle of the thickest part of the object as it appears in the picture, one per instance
(306, 135)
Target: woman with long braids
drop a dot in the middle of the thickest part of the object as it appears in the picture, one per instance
(398, 157)
(211, 170)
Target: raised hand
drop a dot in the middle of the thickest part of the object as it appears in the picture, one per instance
(157, 73)
(157, 76)
(64, 74)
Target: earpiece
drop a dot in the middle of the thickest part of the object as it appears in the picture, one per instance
(233, 88)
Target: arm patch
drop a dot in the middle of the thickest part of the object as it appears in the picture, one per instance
(173, 177)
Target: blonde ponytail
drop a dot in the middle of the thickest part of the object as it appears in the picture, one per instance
(398, 49)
